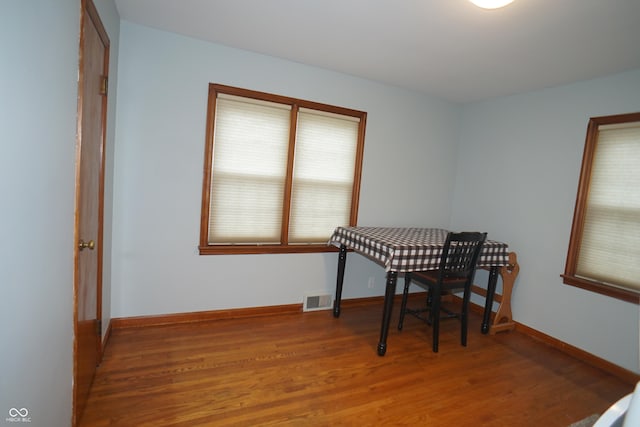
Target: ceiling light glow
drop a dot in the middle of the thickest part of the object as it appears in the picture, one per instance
(491, 4)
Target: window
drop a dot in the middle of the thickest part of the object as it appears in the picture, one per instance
(604, 249)
(280, 174)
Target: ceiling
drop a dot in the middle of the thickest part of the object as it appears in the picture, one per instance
(446, 48)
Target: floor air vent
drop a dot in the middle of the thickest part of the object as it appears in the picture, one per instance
(317, 302)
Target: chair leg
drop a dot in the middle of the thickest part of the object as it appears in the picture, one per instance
(429, 305)
(435, 317)
(464, 316)
(405, 294)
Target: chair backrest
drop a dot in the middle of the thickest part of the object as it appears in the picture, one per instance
(460, 255)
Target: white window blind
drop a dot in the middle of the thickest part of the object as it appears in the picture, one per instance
(323, 175)
(270, 189)
(610, 246)
(249, 170)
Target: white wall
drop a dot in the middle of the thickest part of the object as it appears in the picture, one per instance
(518, 171)
(162, 97)
(38, 91)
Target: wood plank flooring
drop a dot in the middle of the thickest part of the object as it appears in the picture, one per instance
(310, 369)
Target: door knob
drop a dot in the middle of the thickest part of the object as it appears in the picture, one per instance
(84, 245)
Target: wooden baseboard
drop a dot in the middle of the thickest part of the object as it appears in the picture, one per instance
(200, 316)
(236, 313)
(625, 375)
(586, 357)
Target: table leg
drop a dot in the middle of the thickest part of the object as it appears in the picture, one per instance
(390, 293)
(488, 303)
(342, 260)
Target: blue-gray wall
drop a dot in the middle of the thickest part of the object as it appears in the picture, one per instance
(39, 42)
(38, 90)
(410, 146)
(518, 171)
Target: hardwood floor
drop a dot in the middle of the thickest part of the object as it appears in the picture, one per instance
(314, 370)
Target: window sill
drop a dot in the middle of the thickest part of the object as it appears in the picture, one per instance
(601, 288)
(264, 249)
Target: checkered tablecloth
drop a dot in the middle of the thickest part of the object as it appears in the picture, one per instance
(409, 249)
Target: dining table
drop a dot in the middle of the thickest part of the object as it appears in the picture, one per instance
(407, 249)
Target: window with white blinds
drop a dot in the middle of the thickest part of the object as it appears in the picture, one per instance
(249, 171)
(604, 253)
(323, 172)
(280, 173)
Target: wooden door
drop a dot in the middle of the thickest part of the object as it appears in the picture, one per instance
(92, 104)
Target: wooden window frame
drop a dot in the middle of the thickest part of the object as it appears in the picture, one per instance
(569, 277)
(207, 249)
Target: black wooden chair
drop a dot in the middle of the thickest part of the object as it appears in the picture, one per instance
(457, 269)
